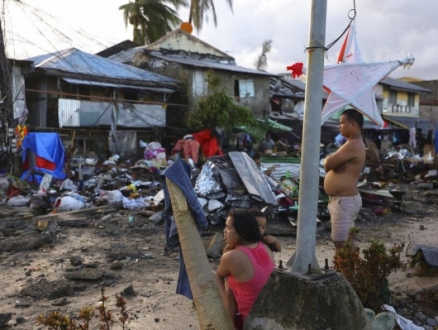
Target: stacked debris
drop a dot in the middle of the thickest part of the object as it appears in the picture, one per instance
(232, 181)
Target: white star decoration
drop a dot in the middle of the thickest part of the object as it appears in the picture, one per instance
(351, 83)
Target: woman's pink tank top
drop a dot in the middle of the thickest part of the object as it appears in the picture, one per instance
(246, 293)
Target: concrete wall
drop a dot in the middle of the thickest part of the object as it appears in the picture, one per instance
(428, 101)
(179, 40)
(429, 112)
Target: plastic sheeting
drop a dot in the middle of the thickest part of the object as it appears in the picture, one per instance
(403, 322)
(49, 152)
(430, 253)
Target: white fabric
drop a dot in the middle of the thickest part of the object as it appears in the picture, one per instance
(403, 322)
(412, 139)
(351, 83)
(68, 184)
(134, 203)
(4, 184)
(68, 203)
(18, 201)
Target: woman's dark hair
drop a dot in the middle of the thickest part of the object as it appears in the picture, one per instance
(354, 115)
(246, 226)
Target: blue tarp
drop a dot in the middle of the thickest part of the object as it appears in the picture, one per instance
(49, 147)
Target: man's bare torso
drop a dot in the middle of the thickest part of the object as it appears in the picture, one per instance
(345, 184)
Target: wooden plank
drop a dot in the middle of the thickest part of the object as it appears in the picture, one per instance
(105, 209)
(382, 192)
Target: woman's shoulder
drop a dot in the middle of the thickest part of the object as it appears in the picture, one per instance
(234, 255)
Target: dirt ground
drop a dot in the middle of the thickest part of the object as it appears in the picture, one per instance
(35, 282)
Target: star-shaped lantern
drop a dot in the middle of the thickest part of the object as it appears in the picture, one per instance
(351, 82)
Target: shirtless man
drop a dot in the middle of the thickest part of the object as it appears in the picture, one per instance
(343, 169)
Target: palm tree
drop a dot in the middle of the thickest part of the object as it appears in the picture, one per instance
(199, 10)
(208, 302)
(261, 62)
(152, 19)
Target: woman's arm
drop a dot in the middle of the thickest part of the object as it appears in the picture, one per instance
(224, 268)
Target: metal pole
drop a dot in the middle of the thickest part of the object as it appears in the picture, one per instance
(309, 177)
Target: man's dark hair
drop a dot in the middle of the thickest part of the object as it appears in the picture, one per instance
(246, 226)
(354, 115)
(257, 213)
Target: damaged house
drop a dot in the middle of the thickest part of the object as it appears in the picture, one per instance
(74, 90)
(186, 58)
(398, 102)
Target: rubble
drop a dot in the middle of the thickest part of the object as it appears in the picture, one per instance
(112, 197)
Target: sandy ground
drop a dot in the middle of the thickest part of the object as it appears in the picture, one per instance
(155, 305)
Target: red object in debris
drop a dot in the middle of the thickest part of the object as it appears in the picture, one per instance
(297, 69)
(40, 163)
(209, 144)
(378, 210)
(12, 191)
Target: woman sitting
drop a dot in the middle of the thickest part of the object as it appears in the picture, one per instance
(246, 268)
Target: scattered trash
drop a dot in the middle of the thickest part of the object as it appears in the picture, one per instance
(18, 201)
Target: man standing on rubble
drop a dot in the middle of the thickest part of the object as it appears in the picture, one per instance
(343, 169)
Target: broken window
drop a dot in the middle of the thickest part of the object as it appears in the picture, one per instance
(411, 102)
(392, 99)
(243, 88)
(199, 84)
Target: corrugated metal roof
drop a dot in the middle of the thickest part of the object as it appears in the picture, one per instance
(106, 84)
(430, 252)
(404, 86)
(208, 64)
(423, 123)
(282, 88)
(74, 61)
(279, 170)
(127, 56)
(115, 49)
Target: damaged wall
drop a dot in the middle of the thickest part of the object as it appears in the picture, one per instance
(81, 113)
(194, 80)
(400, 103)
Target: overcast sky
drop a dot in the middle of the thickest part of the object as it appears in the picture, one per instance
(386, 29)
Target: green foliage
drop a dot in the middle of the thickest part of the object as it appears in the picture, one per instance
(261, 62)
(422, 268)
(199, 10)
(369, 276)
(151, 19)
(59, 321)
(217, 109)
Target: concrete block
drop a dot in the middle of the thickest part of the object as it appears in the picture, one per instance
(292, 301)
(216, 246)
